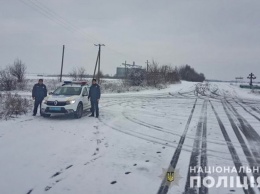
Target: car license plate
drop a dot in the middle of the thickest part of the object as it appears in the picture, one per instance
(55, 108)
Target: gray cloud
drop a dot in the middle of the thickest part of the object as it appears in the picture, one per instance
(218, 37)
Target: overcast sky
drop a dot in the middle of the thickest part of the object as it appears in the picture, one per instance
(220, 38)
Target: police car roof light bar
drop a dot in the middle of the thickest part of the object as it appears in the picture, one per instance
(75, 82)
(67, 82)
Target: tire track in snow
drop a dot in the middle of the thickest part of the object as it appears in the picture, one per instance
(255, 109)
(165, 184)
(256, 117)
(194, 159)
(164, 142)
(236, 160)
(151, 126)
(249, 132)
(250, 158)
(157, 128)
(139, 135)
(203, 158)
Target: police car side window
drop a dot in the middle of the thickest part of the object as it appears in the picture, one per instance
(85, 92)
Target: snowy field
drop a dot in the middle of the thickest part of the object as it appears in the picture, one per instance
(136, 137)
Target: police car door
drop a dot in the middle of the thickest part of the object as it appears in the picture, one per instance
(85, 98)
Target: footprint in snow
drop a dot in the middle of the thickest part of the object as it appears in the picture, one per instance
(56, 174)
(69, 166)
(47, 188)
(29, 192)
(113, 182)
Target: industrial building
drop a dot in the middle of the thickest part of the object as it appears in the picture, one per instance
(122, 72)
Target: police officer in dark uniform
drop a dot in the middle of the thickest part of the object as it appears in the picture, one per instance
(94, 96)
(39, 92)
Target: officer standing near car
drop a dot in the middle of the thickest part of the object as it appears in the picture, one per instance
(94, 96)
(39, 92)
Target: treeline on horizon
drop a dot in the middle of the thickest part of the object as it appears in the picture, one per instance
(14, 76)
(188, 73)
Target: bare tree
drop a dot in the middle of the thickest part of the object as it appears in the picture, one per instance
(81, 73)
(78, 73)
(169, 74)
(161, 74)
(13, 105)
(18, 70)
(153, 76)
(74, 73)
(164, 71)
(7, 81)
(100, 74)
(135, 77)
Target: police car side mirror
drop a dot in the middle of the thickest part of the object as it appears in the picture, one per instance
(50, 93)
(84, 95)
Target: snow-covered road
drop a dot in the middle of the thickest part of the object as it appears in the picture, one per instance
(136, 137)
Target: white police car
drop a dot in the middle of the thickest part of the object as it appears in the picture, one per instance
(70, 98)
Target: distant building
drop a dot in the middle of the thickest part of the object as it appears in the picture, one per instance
(121, 72)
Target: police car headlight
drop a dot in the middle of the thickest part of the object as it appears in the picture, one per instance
(44, 101)
(70, 101)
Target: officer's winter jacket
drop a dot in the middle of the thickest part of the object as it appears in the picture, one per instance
(39, 91)
(94, 92)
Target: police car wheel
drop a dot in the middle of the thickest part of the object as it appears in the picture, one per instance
(79, 111)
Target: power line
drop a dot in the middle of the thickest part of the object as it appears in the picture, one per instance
(51, 15)
(34, 7)
(64, 20)
(56, 18)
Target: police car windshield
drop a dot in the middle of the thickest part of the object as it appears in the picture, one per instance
(68, 91)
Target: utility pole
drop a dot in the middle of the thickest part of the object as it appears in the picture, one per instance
(99, 54)
(63, 49)
(147, 65)
(251, 77)
(94, 74)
